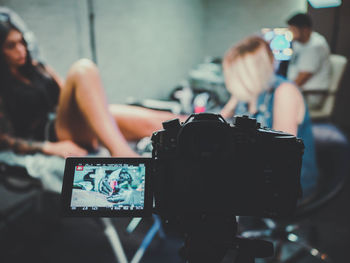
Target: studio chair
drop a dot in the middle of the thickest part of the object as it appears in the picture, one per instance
(324, 111)
(333, 155)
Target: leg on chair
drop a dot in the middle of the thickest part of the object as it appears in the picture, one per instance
(83, 115)
(136, 122)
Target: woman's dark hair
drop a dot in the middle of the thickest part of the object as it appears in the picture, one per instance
(300, 20)
(27, 69)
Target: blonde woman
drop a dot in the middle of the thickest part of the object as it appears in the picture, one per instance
(275, 103)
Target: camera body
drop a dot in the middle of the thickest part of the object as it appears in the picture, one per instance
(204, 166)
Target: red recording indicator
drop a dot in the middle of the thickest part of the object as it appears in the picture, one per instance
(199, 109)
(79, 167)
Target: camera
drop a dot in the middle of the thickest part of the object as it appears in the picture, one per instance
(203, 166)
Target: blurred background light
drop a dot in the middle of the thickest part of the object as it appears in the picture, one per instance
(280, 42)
(324, 3)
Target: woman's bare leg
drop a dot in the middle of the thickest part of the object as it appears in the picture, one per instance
(137, 122)
(83, 114)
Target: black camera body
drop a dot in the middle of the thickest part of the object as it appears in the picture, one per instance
(204, 166)
(207, 166)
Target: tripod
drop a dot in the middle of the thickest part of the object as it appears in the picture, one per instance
(210, 237)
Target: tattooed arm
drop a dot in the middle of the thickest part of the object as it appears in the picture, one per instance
(62, 148)
(19, 145)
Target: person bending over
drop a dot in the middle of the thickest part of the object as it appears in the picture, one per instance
(309, 66)
(30, 92)
(275, 103)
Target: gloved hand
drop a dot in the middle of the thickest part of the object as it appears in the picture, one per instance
(104, 187)
(100, 182)
(118, 198)
(124, 197)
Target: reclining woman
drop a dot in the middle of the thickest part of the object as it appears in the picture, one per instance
(30, 91)
(275, 103)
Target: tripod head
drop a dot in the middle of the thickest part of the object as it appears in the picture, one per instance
(209, 238)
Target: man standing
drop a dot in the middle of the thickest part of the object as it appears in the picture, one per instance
(309, 66)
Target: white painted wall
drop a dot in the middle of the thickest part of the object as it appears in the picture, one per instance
(144, 48)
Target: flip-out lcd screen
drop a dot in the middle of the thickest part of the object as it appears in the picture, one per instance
(105, 186)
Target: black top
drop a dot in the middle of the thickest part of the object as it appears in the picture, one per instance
(27, 105)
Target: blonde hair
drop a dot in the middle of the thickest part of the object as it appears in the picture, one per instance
(248, 68)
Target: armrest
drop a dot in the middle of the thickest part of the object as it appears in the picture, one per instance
(317, 92)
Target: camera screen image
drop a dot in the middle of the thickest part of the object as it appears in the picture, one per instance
(101, 187)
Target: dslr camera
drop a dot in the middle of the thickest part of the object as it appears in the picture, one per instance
(204, 166)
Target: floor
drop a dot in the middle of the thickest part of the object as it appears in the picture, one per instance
(49, 238)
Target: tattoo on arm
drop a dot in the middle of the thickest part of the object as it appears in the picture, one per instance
(19, 145)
